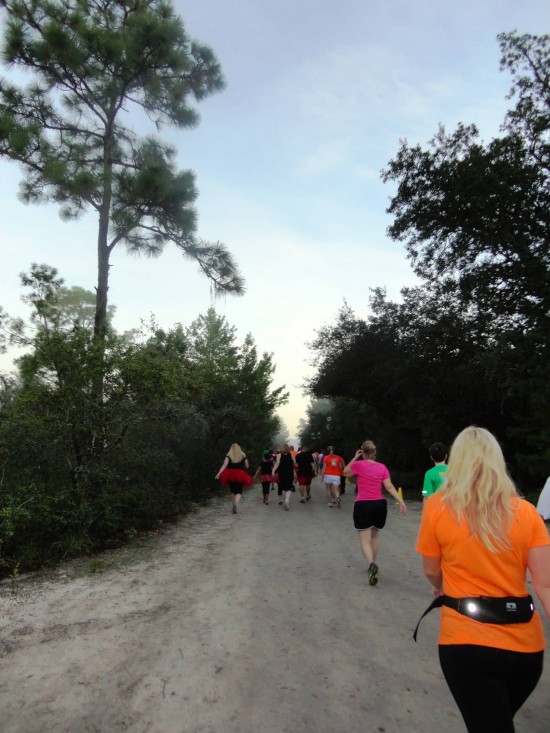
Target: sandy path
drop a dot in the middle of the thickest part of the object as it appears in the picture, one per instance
(262, 621)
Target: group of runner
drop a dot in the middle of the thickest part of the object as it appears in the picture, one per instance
(477, 539)
(284, 468)
(287, 466)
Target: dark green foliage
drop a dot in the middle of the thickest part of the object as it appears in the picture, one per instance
(415, 372)
(99, 433)
(338, 422)
(476, 219)
(233, 385)
(76, 475)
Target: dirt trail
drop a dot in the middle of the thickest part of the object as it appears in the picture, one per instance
(260, 622)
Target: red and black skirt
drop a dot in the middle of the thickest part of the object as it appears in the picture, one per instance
(235, 475)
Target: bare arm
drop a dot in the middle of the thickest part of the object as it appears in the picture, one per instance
(538, 562)
(276, 466)
(224, 464)
(390, 488)
(432, 570)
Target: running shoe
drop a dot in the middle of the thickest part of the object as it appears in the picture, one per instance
(373, 573)
(330, 504)
(302, 501)
(338, 502)
(308, 498)
(280, 503)
(286, 506)
(234, 510)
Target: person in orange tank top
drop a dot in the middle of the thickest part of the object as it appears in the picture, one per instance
(477, 538)
(332, 470)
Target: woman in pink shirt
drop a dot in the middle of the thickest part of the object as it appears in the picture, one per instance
(371, 508)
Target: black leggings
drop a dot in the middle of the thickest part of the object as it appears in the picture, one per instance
(489, 685)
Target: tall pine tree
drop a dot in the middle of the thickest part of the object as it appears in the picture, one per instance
(94, 61)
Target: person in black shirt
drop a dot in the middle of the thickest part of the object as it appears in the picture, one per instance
(305, 472)
(233, 473)
(284, 467)
(264, 472)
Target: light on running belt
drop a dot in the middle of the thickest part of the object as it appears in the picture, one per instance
(472, 607)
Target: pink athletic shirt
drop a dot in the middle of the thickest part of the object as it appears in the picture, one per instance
(370, 476)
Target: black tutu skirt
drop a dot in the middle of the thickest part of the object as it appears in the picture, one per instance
(236, 475)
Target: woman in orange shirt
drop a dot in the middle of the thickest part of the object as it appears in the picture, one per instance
(332, 470)
(477, 538)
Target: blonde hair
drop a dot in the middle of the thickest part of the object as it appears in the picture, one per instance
(478, 487)
(235, 453)
(368, 448)
(285, 448)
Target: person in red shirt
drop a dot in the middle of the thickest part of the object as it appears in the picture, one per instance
(477, 538)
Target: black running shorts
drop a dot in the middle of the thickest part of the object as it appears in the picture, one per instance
(369, 514)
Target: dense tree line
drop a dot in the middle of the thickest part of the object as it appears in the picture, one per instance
(469, 345)
(77, 475)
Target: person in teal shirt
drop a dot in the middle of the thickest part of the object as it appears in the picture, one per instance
(436, 475)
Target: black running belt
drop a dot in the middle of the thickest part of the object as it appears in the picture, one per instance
(486, 609)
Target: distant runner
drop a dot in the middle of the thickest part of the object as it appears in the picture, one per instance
(333, 468)
(434, 478)
(305, 472)
(284, 467)
(264, 472)
(233, 473)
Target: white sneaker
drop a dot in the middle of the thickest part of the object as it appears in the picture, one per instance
(286, 506)
(330, 504)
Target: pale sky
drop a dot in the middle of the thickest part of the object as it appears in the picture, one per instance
(288, 161)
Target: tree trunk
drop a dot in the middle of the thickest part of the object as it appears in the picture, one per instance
(103, 253)
(103, 250)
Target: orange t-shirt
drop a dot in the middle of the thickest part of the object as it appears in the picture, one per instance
(470, 569)
(333, 465)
